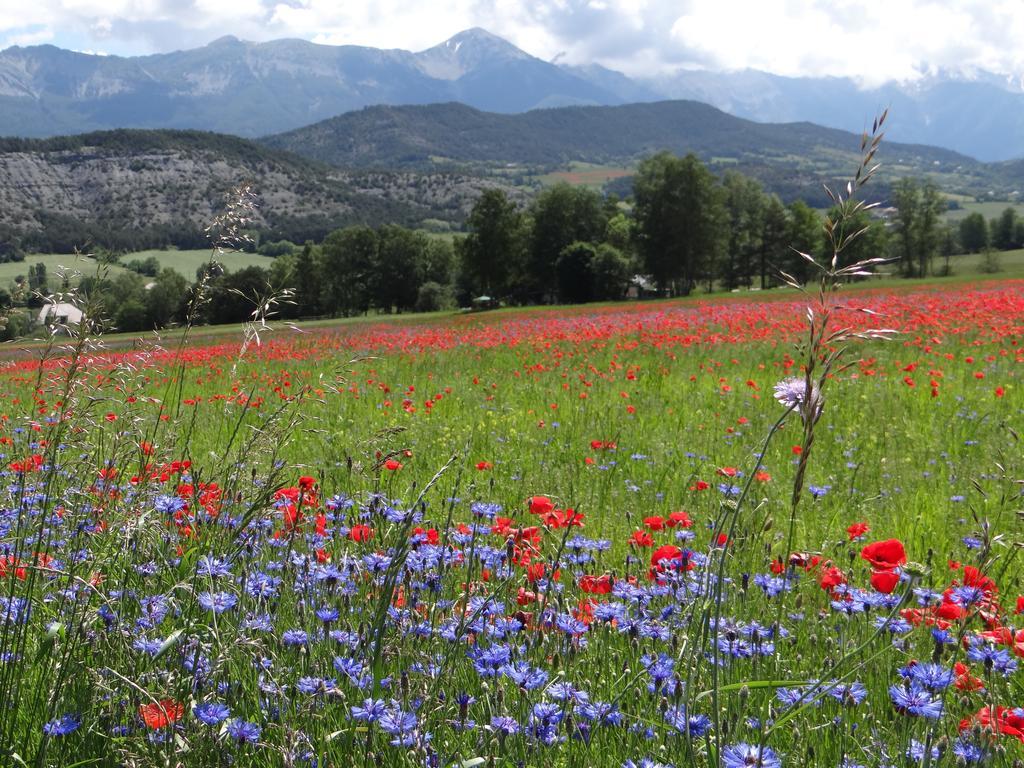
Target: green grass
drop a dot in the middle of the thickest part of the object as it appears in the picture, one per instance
(990, 210)
(184, 262)
(187, 262)
(74, 266)
(522, 403)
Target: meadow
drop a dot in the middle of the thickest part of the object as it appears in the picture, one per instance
(527, 538)
(185, 262)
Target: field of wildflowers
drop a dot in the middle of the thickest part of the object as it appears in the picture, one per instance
(553, 538)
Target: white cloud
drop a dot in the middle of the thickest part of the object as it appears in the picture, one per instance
(898, 39)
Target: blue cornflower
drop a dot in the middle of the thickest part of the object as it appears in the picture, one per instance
(168, 505)
(505, 725)
(934, 677)
(916, 700)
(313, 685)
(690, 725)
(817, 491)
(211, 712)
(262, 585)
(967, 596)
(214, 567)
(972, 542)
(570, 624)
(916, 752)
(327, 614)
(370, 711)
(998, 659)
(401, 725)
(602, 712)
(295, 638)
(243, 732)
(217, 602)
(744, 755)
(525, 676)
(63, 725)
(849, 694)
(151, 647)
(547, 713)
(562, 691)
(969, 753)
(942, 636)
(772, 585)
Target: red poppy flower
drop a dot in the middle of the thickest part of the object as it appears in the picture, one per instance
(540, 505)
(885, 555)
(678, 518)
(360, 533)
(1006, 720)
(885, 581)
(642, 539)
(392, 465)
(162, 713)
(857, 530)
(654, 523)
(665, 554)
(596, 585)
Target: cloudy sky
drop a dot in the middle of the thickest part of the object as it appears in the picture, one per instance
(872, 41)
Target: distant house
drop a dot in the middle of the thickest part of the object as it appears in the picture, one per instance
(641, 287)
(59, 313)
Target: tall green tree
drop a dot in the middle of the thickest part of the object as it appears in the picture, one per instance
(611, 271)
(348, 270)
(574, 270)
(919, 209)
(491, 256)
(165, 298)
(680, 220)
(401, 261)
(745, 204)
(1004, 230)
(309, 280)
(775, 249)
(974, 237)
(562, 215)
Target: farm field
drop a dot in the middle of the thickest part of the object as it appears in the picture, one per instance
(184, 262)
(587, 174)
(537, 538)
(990, 210)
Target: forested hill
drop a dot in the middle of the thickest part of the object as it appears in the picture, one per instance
(142, 188)
(439, 134)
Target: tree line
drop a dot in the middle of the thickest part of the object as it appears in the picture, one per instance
(683, 229)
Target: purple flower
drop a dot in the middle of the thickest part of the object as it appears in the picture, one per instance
(915, 700)
(504, 725)
(211, 712)
(792, 393)
(243, 732)
(744, 755)
(370, 711)
(63, 725)
(218, 602)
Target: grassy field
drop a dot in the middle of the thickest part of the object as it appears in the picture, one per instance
(587, 175)
(990, 210)
(185, 262)
(547, 537)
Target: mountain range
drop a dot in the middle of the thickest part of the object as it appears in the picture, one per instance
(255, 89)
(791, 159)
